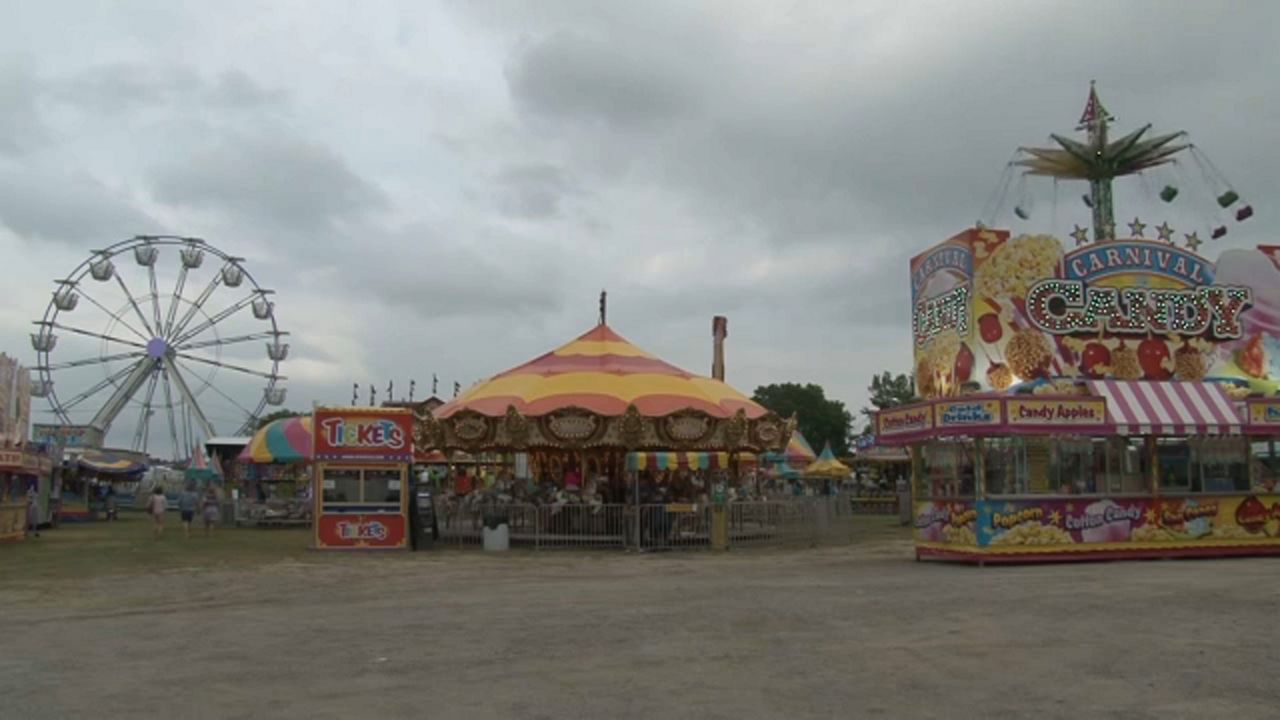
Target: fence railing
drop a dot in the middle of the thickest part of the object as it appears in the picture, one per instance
(650, 527)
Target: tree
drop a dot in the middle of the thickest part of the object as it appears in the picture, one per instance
(277, 415)
(888, 390)
(820, 420)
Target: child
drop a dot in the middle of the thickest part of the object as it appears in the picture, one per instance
(187, 502)
(157, 506)
(210, 510)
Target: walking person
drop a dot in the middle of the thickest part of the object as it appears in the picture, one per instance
(210, 510)
(157, 506)
(187, 503)
(33, 512)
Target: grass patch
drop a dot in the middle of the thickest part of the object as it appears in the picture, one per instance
(82, 550)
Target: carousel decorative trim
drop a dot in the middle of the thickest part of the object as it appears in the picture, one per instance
(685, 427)
(575, 428)
(517, 427)
(631, 428)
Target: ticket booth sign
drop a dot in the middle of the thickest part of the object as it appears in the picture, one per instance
(378, 434)
(373, 530)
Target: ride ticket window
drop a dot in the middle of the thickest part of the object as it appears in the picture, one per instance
(341, 485)
(382, 486)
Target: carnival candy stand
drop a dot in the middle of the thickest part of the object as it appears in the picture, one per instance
(1112, 399)
(361, 469)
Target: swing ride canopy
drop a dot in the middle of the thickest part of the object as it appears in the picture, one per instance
(287, 440)
(599, 390)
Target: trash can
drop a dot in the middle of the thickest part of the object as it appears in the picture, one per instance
(497, 531)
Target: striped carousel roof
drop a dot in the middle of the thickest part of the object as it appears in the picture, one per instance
(604, 373)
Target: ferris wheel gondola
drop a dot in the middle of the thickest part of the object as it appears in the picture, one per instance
(175, 357)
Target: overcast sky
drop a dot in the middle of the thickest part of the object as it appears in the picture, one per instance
(446, 187)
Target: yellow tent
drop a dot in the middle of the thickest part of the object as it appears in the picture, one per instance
(827, 466)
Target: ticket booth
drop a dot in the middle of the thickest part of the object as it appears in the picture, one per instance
(361, 465)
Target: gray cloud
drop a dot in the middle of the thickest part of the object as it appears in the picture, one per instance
(20, 124)
(278, 180)
(531, 191)
(73, 208)
(131, 86)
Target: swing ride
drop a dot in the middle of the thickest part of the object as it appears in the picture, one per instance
(1099, 161)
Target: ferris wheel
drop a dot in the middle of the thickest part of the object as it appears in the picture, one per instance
(130, 355)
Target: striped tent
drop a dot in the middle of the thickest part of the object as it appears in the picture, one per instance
(287, 440)
(798, 454)
(601, 372)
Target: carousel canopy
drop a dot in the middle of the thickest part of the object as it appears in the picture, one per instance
(287, 440)
(827, 465)
(601, 372)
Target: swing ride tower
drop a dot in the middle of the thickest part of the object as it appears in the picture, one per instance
(1099, 161)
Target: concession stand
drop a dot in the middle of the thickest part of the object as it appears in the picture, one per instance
(361, 470)
(1128, 407)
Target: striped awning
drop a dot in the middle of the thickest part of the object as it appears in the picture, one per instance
(1167, 408)
(690, 460)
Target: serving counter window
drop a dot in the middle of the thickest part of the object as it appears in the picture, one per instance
(1004, 465)
(945, 469)
(1078, 465)
(1266, 465)
(1223, 463)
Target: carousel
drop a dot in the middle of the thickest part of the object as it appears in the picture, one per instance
(605, 423)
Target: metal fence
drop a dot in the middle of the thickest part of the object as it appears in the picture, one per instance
(651, 527)
(875, 505)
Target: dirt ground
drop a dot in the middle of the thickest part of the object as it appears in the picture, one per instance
(861, 631)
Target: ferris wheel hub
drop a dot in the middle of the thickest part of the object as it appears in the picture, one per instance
(156, 348)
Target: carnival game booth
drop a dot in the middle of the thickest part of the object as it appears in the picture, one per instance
(275, 478)
(361, 467)
(22, 469)
(579, 411)
(103, 479)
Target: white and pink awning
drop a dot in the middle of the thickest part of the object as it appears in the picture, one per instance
(1168, 408)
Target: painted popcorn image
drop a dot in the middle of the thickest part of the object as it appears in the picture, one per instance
(995, 311)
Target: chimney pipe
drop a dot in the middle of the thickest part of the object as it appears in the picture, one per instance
(719, 331)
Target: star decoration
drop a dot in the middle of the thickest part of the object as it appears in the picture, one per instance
(1164, 232)
(1193, 241)
(1137, 227)
(1150, 517)
(1081, 235)
(1055, 518)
